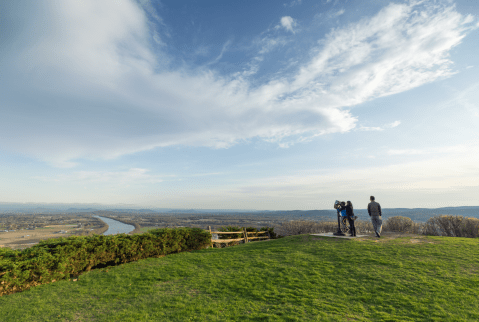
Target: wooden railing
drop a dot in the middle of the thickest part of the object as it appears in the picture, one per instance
(245, 237)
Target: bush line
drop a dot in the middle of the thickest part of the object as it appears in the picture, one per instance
(60, 258)
(442, 225)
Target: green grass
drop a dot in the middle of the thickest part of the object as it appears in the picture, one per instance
(297, 278)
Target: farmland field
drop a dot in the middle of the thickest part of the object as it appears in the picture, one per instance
(21, 238)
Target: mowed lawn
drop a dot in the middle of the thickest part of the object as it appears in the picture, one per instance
(297, 278)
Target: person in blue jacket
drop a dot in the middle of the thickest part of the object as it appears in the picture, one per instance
(342, 209)
(346, 210)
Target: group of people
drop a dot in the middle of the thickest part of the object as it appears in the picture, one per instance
(346, 210)
(374, 211)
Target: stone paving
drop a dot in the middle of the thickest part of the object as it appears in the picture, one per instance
(331, 235)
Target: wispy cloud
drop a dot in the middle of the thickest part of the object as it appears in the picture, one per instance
(457, 150)
(83, 81)
(268, 44)
(467, 99)
(223, 50)
(379, 128)
(337, 13)
(207, 174)
(128, 177)
(292, 3)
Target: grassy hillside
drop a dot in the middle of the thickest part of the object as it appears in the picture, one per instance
(297, 278)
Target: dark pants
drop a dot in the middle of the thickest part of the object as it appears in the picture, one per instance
(351, 226)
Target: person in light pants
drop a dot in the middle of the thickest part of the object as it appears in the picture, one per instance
(374, 210)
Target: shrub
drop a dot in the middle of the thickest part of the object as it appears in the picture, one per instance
(60, 258)
(363, 226)
(231, 229)
(270, 230)
(398, 224)
(297, 227)
(402, 224)
(252, 230)
(452, 226)
(470, 228)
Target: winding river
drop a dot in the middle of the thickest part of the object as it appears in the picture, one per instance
(116, 227)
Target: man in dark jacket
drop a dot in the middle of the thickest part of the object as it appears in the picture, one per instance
(374, 210)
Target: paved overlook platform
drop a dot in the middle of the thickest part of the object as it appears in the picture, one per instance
(331, 235)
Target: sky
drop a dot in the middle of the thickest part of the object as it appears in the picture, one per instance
(267, 105)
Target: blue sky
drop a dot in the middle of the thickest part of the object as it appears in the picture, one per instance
(240, 104)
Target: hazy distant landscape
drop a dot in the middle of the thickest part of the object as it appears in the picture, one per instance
(416, 214)
(23, 225)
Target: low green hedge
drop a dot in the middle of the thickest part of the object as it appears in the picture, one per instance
(55, 259)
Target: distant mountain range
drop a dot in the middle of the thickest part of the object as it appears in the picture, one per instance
(416, 214)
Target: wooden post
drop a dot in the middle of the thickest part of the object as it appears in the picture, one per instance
(211, 243)
(245, 236)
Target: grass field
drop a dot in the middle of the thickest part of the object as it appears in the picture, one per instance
(297, 278)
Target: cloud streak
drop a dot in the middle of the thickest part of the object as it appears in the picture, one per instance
(88, 84)
(379, 128)
(131, 176)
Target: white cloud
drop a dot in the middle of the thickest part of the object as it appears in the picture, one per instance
(469, 18)
(81, 81)
(288, 23)
(393, 124)
(396, 50)
(379, 128)
(370, 128)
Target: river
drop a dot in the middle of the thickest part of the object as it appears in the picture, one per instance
(116, 227)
